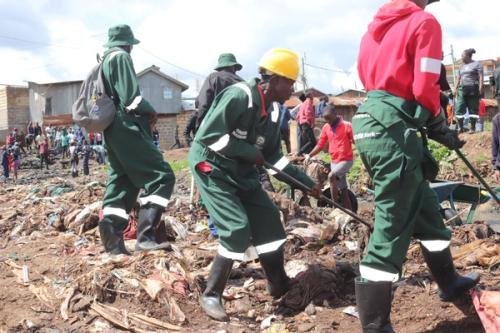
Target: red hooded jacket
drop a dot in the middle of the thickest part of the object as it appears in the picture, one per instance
(401, 54)
(306, 113)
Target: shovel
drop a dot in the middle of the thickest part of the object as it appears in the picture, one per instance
(323, 197)
(478, 176)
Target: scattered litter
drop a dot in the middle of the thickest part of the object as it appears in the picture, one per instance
(26, 274)
(130, 321)
(351, 311)
(487, 305)
(483, 252)
(294, 267)
(351, 245)
(266, 323)
(316, 285)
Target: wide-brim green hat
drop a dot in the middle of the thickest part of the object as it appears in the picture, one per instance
(121, 35)
(227, 60)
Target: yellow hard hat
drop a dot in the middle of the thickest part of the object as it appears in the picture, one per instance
(281, 62)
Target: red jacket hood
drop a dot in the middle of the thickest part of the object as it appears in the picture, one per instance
(388, 14)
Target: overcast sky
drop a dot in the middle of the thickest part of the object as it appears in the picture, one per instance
(48, 40)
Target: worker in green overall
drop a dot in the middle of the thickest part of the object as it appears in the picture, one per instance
(399, 64)
(240, 132)
(469, 89)
(135, 163)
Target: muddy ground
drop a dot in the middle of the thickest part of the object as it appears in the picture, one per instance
(54, 276)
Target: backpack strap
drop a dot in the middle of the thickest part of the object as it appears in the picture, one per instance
(100, 75)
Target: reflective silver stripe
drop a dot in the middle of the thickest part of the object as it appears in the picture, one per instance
(221, 143)
(120, 212)
(248, 255)
(474, 116)
(460, 116)
(430, 65)
(240, 134)
(275, 114)
(114, 54)
(435, 245)
(280, 165)
(361, 115)
(367, 135)
(270, 247)
(376, 275)
(247, 90)
(135, 103)
(156, 199)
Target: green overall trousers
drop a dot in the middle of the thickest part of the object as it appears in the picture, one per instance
(466, 102)
(392, 150)
(135, 163)
(237, 128)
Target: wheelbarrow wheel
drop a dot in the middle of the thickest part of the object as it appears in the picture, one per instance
(352, 197)
(451, 215)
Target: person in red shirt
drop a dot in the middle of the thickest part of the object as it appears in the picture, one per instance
(338, 134)
(482, 114)
(399, 64)
(306, 120)
(10, 140)
(91, 138)
(44, 154)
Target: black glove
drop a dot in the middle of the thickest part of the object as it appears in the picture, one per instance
(438, 130)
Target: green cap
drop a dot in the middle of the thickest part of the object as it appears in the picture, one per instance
(120, 35)
(227, 60)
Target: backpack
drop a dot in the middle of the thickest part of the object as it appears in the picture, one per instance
(94, 110)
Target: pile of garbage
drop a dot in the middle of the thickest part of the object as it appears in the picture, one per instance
(159, 291)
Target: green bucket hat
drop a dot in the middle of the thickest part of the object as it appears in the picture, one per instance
(227, 60)
(120, 35)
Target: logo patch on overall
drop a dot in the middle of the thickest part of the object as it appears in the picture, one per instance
(260, 141)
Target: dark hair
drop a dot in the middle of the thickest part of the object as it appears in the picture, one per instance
(302, 97)
(470, 52)
(331, 108)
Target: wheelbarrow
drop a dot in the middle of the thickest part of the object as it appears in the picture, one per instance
(460, 192)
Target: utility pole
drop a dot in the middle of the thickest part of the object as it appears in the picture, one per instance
(453, 66)
(304, 79)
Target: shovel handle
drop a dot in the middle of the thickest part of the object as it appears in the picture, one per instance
(323, 197)
(477, 175)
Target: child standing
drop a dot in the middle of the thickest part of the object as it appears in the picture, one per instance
(73, 154)
(98, 138)
(482, 115)
(91, 138)
(4, 158)
(44, 154)
(64, 143)
(86, 155)
(15, 159)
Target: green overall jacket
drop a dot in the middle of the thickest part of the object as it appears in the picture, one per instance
(236, 128)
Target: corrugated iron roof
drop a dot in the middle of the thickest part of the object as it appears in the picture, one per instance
(337, 101)
(156, 69)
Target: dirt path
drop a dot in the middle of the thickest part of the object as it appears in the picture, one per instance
(72, 286)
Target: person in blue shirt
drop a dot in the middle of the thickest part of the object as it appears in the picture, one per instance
(321, 106)
(285, 117)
